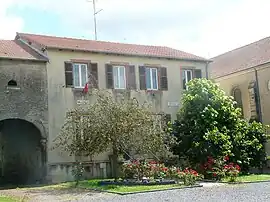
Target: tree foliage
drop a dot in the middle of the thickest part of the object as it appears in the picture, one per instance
(208, 124)
(116, 124)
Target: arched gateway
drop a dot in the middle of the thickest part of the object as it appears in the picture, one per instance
(22, 153)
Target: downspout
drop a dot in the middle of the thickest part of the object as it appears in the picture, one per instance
(258, 95)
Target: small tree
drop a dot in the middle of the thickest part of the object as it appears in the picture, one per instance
(113, 124)
(208, 124)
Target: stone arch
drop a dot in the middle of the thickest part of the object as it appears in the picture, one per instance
(22, 153)
(38, 123)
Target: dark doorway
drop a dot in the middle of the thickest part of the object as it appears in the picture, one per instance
(21, 153)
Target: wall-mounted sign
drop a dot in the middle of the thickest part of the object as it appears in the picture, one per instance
(82, 102)
(173, 104)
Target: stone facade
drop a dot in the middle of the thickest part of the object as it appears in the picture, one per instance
(24, 110)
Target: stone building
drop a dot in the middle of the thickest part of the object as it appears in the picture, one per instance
(23, 114)
(153, 73)
(245, 74)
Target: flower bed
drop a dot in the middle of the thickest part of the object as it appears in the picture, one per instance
(154, 172)
(135, 183)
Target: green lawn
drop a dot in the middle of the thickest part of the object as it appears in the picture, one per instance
(251, 178)
(93, 184)
(7, 199)
(125, 189)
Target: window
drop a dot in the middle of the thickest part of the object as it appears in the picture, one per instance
(151, 79)
(80, 77)
(186, 77)
(119, 77)
(12, 83)
(236, 93)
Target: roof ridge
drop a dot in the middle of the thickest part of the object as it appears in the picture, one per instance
(240, 47)
(77, 38)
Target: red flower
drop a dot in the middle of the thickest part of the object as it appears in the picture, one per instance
(165, 169)
(226, 158)
(237, 167)
(214, 174)
(153, 162)
(210, 160)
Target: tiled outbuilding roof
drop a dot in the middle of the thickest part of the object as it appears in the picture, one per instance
(13, 49)
(240, 59)
(109, 47)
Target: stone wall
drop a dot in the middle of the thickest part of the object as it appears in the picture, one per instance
(24, 95)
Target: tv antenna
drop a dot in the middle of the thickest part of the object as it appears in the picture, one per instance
(95, 12)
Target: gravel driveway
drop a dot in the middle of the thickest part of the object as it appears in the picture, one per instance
(241, 192)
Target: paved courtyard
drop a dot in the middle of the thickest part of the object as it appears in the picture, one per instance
(243, 192)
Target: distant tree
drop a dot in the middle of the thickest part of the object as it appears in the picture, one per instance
(208, 124)
(116, 125)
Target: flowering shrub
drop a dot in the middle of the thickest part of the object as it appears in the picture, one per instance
(220, 168)
(139, 169)
(232, 171)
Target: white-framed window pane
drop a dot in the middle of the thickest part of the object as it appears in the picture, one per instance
(154, 79)
(148, 78)
(119, 77)
(76, 75)
(122, 80)
(115, 77)
(83, 75)
(189, 75)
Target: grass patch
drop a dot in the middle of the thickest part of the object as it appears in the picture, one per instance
(251, 178)
(94, 184)
(7, 199)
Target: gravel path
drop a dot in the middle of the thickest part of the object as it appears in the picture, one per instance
(241, 192)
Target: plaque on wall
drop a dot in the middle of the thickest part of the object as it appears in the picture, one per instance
(82, 102)
(173, 104)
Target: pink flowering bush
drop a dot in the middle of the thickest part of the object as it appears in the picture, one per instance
(232, 171)
(220, 168)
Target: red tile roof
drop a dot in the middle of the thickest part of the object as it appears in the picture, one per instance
(240, 59)
(109, 47)
(12, 49)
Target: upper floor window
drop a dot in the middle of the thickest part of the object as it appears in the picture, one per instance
(78, 74)
(119, 77)
(151, 79)
(80, 77)
(189, 74)
(186, 77)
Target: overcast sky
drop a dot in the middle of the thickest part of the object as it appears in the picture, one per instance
(202, 27)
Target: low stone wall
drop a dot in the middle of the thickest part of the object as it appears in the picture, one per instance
(62, 172)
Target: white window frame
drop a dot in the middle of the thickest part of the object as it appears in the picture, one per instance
(117, 68)
(185, 72)
(81, 85)
(151, 78)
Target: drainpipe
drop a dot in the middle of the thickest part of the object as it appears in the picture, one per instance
(258, 95)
